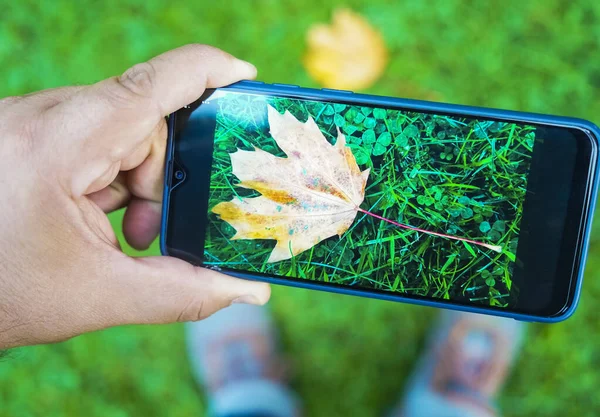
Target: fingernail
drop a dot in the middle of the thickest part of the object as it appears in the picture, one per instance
(247, 299)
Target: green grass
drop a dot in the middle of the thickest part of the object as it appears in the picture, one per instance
(461, 177)
(351, 356)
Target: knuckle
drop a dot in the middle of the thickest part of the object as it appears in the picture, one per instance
(133, 90)
(139, 79)
(192, 311)
(21, 136)
(200, 304)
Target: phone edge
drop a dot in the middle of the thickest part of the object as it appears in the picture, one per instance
(168, 166)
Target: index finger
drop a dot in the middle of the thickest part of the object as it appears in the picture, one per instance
(179, 77)
(104, 123)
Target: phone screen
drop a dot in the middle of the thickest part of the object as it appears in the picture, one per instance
(380, 199)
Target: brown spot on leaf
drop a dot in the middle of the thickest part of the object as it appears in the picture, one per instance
(351, 161)
(278, 196)
(342, 228)
(228, 211)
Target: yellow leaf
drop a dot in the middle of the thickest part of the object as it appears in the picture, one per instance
(312, 194)
(348, 54)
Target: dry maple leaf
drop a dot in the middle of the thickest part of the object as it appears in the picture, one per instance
(348, 54)
(309, 196)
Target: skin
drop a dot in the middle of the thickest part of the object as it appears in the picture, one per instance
(69, 156)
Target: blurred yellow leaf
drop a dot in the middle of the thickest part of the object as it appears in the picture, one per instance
(348, 54)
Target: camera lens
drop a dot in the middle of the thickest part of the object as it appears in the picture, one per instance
(179, 175)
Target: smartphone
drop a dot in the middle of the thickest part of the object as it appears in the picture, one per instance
(472, 209)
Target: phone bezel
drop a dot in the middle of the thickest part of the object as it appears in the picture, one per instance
(582, 240)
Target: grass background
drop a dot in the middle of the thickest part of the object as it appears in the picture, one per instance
(351, 356)
(433, 172)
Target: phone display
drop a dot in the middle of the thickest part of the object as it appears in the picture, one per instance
(384, 200)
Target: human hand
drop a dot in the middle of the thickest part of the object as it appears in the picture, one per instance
(70, 155)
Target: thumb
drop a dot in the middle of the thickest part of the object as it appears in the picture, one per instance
(167, 290)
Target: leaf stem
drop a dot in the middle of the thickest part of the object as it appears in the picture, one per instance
(495, 248)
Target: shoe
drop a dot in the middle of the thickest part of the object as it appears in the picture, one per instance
(465, 365)
(235, 358)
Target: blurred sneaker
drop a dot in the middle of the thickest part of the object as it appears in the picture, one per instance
(467, 360)
(234, 357)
